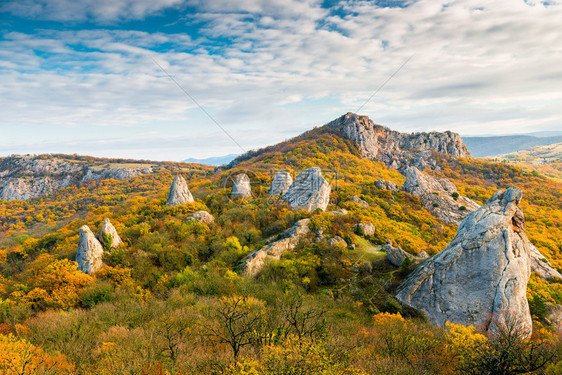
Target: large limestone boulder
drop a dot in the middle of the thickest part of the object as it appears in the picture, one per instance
(395, 255)
(90, 251)
(482, 273)
(241, 187)
(288, 241)
(281, 183)
(179, 192)
(108, 232)
(201, 217)
(439, 196)
(364, 229)
(309, 191)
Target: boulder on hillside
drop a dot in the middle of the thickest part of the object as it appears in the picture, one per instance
(482, 273)
(341, 211)
(386, 185)
(364, 229)
(90, 251)
(179, 192)
(395, 255)
(542, 267)
(109, 233)
(439, 196)
(288, 240)
(359, 201)
(241, 187)
(309, 191)
(201, 217)
(281, 183)
(336, 241)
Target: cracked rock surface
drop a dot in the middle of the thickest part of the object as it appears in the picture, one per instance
(482, 273)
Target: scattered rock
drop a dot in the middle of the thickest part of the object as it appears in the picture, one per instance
(359, 201)
(437, 227)
(179, 192)
(201, 217)
(422, 255)
(363, 267)
(482, 273)
(541, 266)
(341, 211)
(437, 195)
(108, 231)
(241, 187)
(336, 241)
(395, 255)
(352, 246)
(386, 185)
(554, 316)
(364, 229)
(289, 239)
(309, 191)
(90, 251)
(281, 183)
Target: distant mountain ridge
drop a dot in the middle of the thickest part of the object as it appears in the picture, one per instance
(498, 145)
(215, 160)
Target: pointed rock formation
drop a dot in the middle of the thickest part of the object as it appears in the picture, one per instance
(482, 273)
(90, 251)
(289, 239)
(439, 196)
(202, 217)
(397, 150)
(281, 183)
(179, 192)
(241, 187)
(309, 191)
(108, 232)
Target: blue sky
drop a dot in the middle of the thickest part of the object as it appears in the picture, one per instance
(80, 77)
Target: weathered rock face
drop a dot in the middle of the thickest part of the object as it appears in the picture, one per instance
(542, 267)
(359, 201)
(108, 231)
(336, 241)
(309, 191)
(482, 273)
(437, 195)
(241, 187)
(202, 217)
(395, 255)
(289, 239)
(90, 251)
(179, 192)
(281, 183)
(364, 229)
(386, 185)
(397, 150)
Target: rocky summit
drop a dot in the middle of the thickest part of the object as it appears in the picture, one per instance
(109, 238)
(397, 150)
(281, 183)
(90, 251)
(309, 191)
(482, 273)
(241, 187)
(179, 192)
(439, 196)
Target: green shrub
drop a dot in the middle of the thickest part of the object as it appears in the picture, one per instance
(96, 294)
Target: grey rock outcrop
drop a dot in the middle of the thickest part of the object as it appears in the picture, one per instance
(201, 217)
(309, 191)
(554, 316)
(336, 241)
(386, 185)
(288, 241)
(26, 177)
(90, 251)
(108, 231)
(364, 229)
(179, 192)
(542, 267)
(482, 273)
(437, 196)
(397, 150)
(395, 255)
(281, 183)
(241, 187)
(341, 211)
(359, 201)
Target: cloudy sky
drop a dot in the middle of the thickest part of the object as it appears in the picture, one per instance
(83, 76)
